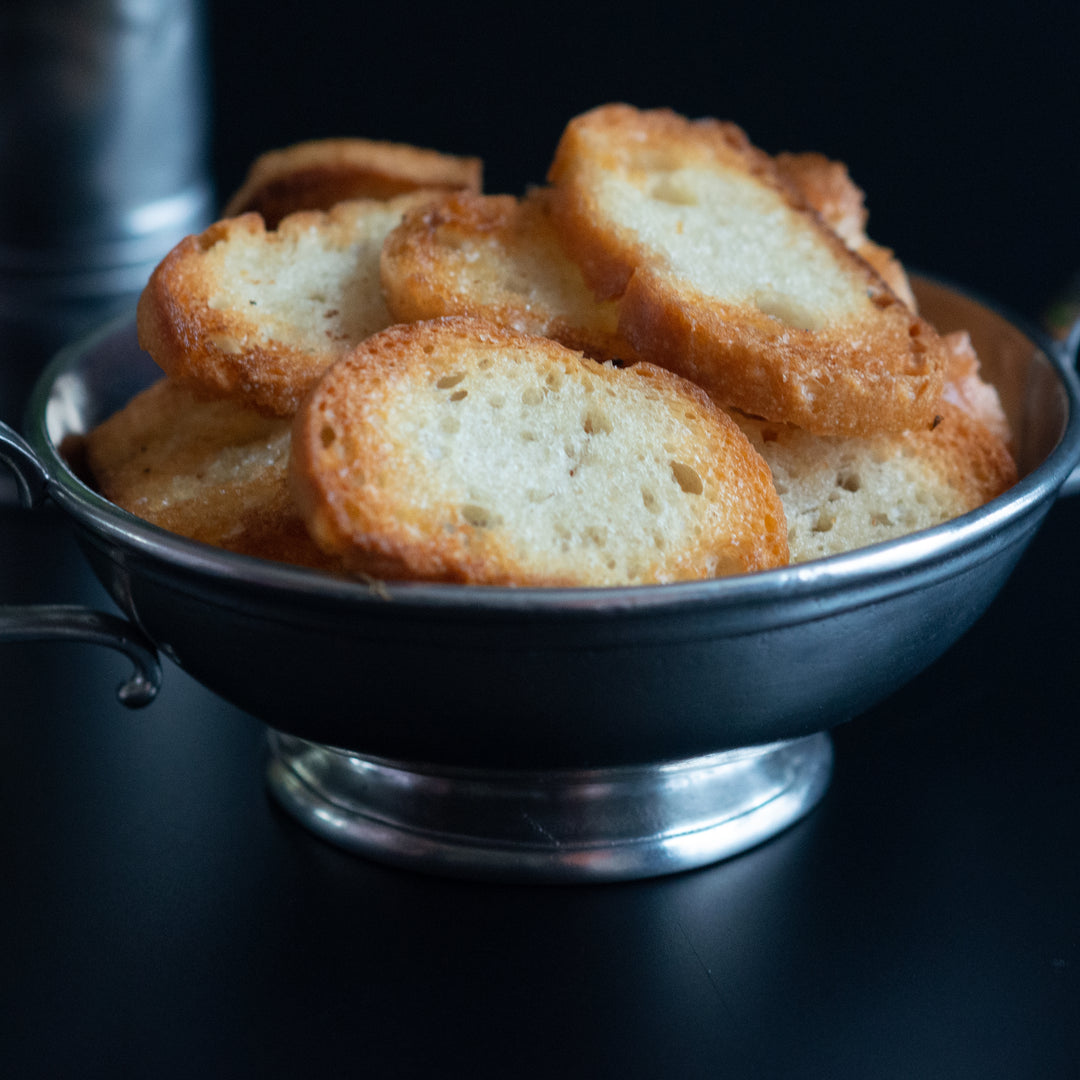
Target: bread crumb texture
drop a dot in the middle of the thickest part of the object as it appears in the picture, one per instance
(679, 358)
(453, 450)
(211, 471)
(257, 315)
(842, 493)
(725, 274)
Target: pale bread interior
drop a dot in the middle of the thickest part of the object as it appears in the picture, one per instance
(304, 286)
(843, 493)
(738, 240)
(504, 457)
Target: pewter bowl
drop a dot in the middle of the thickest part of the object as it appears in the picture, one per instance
(551, 734)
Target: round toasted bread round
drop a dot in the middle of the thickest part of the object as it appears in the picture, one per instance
(209, 470)
(320, 173)
(728, 278)
(845, 492)
(498, 258)
(257, 315)
(456, 450)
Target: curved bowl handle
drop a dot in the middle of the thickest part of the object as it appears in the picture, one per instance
(30, 476)
(1069, 350)
(64, 622)
(67, 622)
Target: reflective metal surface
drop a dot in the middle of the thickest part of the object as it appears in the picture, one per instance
(68, 622)
(558, 678)
(594, 825)
(104, 125)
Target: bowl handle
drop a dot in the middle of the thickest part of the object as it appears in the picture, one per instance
(1069, 351)
(31, 477)
(69, 622)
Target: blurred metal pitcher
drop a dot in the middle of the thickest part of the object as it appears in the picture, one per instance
(103, 164)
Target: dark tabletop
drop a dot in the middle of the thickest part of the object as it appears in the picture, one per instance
(160, 916)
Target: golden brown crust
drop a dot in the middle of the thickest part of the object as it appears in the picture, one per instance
(210, 471)
(856, 362)
(827, 186)
(843, 386)
(370, 495)
(496, 257)
(257, 315)
(318, 174)
(626, 141)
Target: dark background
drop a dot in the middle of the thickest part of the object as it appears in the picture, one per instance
(959, 123)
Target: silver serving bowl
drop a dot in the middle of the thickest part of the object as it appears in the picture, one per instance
(551, 734)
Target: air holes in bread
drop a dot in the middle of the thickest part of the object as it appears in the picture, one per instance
(849, 481)
(674, 189)
(477, 516)
(448, 382)
(920, 348)
(687, 478)
(531, 395)
(597, 423)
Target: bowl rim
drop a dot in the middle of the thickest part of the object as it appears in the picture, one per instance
(903, 556)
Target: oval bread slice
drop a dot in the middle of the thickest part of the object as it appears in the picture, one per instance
(728, 278)
(320, 173)
(845, 492)
(498, 258)
(212, 471)
(456, 450)
(257, 315)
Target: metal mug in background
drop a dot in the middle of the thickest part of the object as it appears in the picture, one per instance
(103, 165)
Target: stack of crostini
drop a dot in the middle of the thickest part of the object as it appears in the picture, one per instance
(679, 358)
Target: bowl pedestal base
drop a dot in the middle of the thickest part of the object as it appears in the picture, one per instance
(571, 825)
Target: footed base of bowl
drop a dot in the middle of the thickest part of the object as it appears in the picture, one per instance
(586, 825)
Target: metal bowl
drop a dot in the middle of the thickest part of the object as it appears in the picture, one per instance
(558, 734)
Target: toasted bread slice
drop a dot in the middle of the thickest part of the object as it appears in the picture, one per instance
(255, 315)
(827, 187)
(730, 280)
(968, 390)
(456, 450)
(496, 257)
(320, 173)
(845, 492)
(208, 470)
